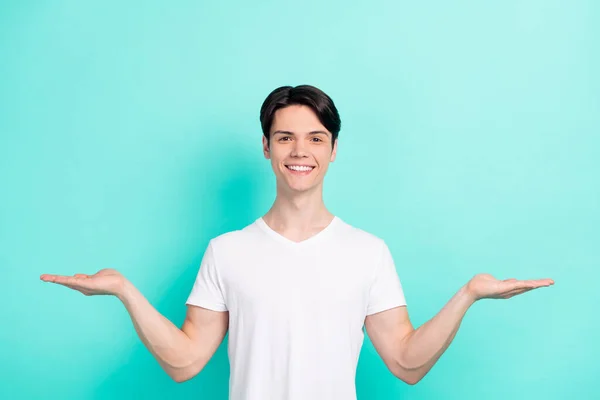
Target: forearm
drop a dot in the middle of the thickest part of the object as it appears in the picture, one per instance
(171, 347)
(425, 345)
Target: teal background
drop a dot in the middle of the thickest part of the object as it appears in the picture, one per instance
(129, 136)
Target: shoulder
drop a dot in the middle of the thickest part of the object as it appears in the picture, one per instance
(235, 240)
(358, 237)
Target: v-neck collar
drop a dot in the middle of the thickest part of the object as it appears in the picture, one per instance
(314, 238)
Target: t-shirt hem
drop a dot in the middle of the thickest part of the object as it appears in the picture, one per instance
(207, 304)
(384, 307)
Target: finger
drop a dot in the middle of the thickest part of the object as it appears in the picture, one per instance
(515, 292)
(515, 284)
(52, 278)
(523, 284)
(81, 276)
(539, 282)
(65, 280)
(545, 281)
(68, 280)
(77, 288)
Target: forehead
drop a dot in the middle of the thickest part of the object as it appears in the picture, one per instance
(296, 118)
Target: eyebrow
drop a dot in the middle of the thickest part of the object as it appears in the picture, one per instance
(291, 133)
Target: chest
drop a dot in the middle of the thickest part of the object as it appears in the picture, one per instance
(298, 283)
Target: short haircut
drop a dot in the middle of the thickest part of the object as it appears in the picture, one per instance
(306, 95)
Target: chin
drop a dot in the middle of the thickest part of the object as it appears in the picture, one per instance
(302, 188)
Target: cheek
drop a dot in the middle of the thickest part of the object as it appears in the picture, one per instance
(278, 154)
(276, 158)
(324, 157)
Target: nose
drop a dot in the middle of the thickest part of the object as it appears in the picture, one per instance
(299, 149)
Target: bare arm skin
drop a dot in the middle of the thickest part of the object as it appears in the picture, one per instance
(410, 353)
(182, 353)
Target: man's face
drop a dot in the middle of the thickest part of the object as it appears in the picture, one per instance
(300, 150)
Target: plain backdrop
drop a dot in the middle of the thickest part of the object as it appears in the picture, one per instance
(129, 137)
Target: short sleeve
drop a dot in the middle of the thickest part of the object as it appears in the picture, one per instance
(386, 291)
(207, 291)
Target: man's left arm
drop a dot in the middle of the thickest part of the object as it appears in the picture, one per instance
(410, 353)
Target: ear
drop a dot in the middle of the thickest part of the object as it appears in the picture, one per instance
(334, 151)
(266, 151)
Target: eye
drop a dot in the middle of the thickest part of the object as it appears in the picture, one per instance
(318, 139)
(285, 137)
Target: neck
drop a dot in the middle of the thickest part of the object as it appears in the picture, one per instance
(298, 211)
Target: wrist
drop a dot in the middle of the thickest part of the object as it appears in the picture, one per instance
(467, 294)
(125, 292)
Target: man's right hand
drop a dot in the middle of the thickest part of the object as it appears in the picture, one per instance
(182, 353)
(104, 282)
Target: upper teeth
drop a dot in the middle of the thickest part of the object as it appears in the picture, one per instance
(299, 167)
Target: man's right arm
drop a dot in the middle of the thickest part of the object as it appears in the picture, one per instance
(184, 352)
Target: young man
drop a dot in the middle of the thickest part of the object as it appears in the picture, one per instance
(296, 287)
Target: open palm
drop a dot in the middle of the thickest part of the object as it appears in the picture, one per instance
(104, 282)
(486, 286)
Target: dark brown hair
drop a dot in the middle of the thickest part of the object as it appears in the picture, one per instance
(306, 95)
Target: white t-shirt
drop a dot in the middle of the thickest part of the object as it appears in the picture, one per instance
(296, 310)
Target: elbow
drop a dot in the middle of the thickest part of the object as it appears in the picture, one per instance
(412, 379)
(180, 378)
(182, 375)
(408, 375)
(185, 372)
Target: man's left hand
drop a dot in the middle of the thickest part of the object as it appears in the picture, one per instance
(483, 286)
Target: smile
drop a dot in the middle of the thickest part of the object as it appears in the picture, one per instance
(299, 169)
